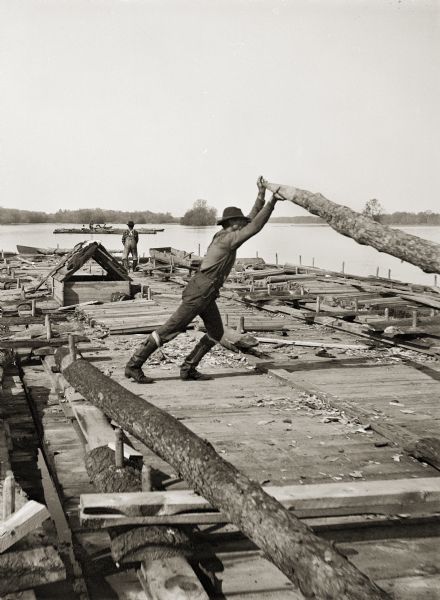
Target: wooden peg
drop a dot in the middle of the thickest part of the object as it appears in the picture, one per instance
(240, 327)
(276, 258)
(356, 305)
(33, 307)
(389, 273)
(146, 478)
(119, 449)
(48, 326)
(414, 319)
(8, 495)
(318, 304)
(387, 313)
(313, 261)
(72, 346)
(343, 267)
(226, 319)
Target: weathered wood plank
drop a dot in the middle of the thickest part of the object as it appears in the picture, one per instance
(28, 518)
(388, 497)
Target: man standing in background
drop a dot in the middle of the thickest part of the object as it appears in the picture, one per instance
(130, 239)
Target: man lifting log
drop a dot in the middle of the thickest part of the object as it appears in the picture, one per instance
(199, 296)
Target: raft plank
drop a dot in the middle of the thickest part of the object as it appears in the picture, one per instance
(409, 495)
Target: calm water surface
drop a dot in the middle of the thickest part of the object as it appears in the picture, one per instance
(319, 242)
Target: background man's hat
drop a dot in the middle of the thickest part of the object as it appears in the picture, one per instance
(232, 212)
(130, 224)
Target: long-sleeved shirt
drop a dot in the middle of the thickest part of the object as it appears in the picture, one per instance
(221, 253)
(130, 233)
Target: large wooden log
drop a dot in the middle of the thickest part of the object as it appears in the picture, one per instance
(410, 248)
(318, 569)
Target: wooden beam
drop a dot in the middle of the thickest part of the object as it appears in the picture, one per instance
(306, 501)
(28, 518)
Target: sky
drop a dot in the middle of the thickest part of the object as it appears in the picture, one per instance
(153, 104)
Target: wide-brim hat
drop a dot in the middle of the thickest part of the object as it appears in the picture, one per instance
(130, 224)
(232, 212)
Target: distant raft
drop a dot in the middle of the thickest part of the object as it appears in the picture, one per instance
(104, 229)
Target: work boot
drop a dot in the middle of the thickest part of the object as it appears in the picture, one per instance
(133, 368)
(135, 264)
(188, 371)
(125, 264)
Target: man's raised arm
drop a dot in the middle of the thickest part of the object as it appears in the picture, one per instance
(259, 202)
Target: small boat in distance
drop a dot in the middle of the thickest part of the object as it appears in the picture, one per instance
(104, 229)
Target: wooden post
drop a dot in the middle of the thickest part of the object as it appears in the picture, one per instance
(356, 305)
(226, 319)
(119, 449)
(5, 261)
(301, 290)
(256, 254)
(268, 288)
(22, 292)
(3, 254)
(12, 273)
(414, 319)
(300, 259)
(33, 306)
(377, 271)
(389, 273)
(18, 283)
(146, 478)
(240, 327)
(343, 267)
(309, 561)
(48, 327)
(435, 280)
(276, 258)
(8, 495)
(199, 251)
(252, 286)
(387, 313)
(149, 293)
(72, 346)
(90, 267)
(313, 261)
(318, 304)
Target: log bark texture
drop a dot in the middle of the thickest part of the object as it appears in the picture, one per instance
(318, 569)
(30, 568)
(410, 248)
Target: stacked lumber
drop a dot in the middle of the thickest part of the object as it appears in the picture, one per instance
(130, 316)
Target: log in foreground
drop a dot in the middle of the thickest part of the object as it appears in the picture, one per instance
(410, 248)
(318, 569)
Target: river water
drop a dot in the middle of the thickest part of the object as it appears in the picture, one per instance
(317, 244)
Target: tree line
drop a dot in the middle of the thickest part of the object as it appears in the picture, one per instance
(84, 216)
(199, 215)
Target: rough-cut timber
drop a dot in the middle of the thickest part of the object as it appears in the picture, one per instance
(313, 564)
(30, 568)
(365, 231)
